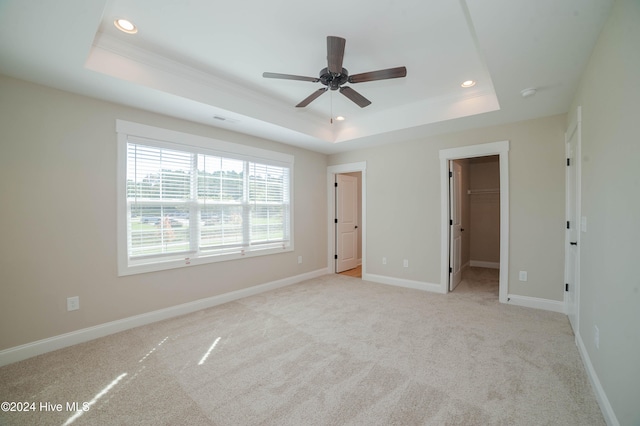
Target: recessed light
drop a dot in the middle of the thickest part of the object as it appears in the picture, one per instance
(125, 26)
(468, 83)
(340, 118)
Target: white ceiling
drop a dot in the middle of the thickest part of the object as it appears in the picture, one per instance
(201, 59)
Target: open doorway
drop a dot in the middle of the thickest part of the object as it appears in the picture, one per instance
(448, 248)
(347, 219)
(474, 246)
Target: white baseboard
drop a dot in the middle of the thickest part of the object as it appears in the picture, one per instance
(401, 282)
(557, 306)
(483, 264)
(537, 303)
(601, 396)
(28, 350)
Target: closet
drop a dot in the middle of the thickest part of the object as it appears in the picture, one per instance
(483, 198)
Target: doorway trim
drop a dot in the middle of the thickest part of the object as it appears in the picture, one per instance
(494, 148)
(572, 304)
(332, 171)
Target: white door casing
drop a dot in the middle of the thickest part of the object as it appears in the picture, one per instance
(455, 246)
(332, 172)
(572, 233)
(347, 222)
(494, 148)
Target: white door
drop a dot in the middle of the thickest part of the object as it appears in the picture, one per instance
(572, 249)
(455, 246)
(347, 222)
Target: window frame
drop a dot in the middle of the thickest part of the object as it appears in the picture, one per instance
(169, 139)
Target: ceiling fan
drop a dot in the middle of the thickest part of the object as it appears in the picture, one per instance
(334, 76)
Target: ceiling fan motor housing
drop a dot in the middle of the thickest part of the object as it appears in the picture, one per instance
(333, 81)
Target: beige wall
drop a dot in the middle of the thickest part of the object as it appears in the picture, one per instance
(58, 196)
(484, 209)
(403, 204)
(610, 288)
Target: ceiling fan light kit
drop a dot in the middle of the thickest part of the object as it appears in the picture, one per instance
(334, 76)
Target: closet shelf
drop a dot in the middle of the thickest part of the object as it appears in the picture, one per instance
(483, 191)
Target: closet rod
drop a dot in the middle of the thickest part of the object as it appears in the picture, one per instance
(483, 191)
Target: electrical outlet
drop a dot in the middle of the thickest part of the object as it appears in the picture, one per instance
(299, 260)
(405, 263)
(384, 260)
(596, 336)
(73, 303)
(523, 275)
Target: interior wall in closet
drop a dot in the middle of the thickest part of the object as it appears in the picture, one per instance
(484, 211)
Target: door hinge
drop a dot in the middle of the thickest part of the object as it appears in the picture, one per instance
(568, 162)
(450, 221)
(450, 270)
(335, 220)
(566, 287)
(450, 174)
(568, 225)
(335, 257)
(335, 184)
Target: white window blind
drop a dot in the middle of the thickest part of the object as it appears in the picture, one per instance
(188, 204)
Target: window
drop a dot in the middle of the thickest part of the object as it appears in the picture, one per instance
(185, 200)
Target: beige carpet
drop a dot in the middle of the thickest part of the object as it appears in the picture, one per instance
(330, 351)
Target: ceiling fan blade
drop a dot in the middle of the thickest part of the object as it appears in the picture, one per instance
(311, 98)
(356, 97)
(289, 77)
(335, 54)
(378, 75)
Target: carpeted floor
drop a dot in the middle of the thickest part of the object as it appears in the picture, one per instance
(334, 350)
